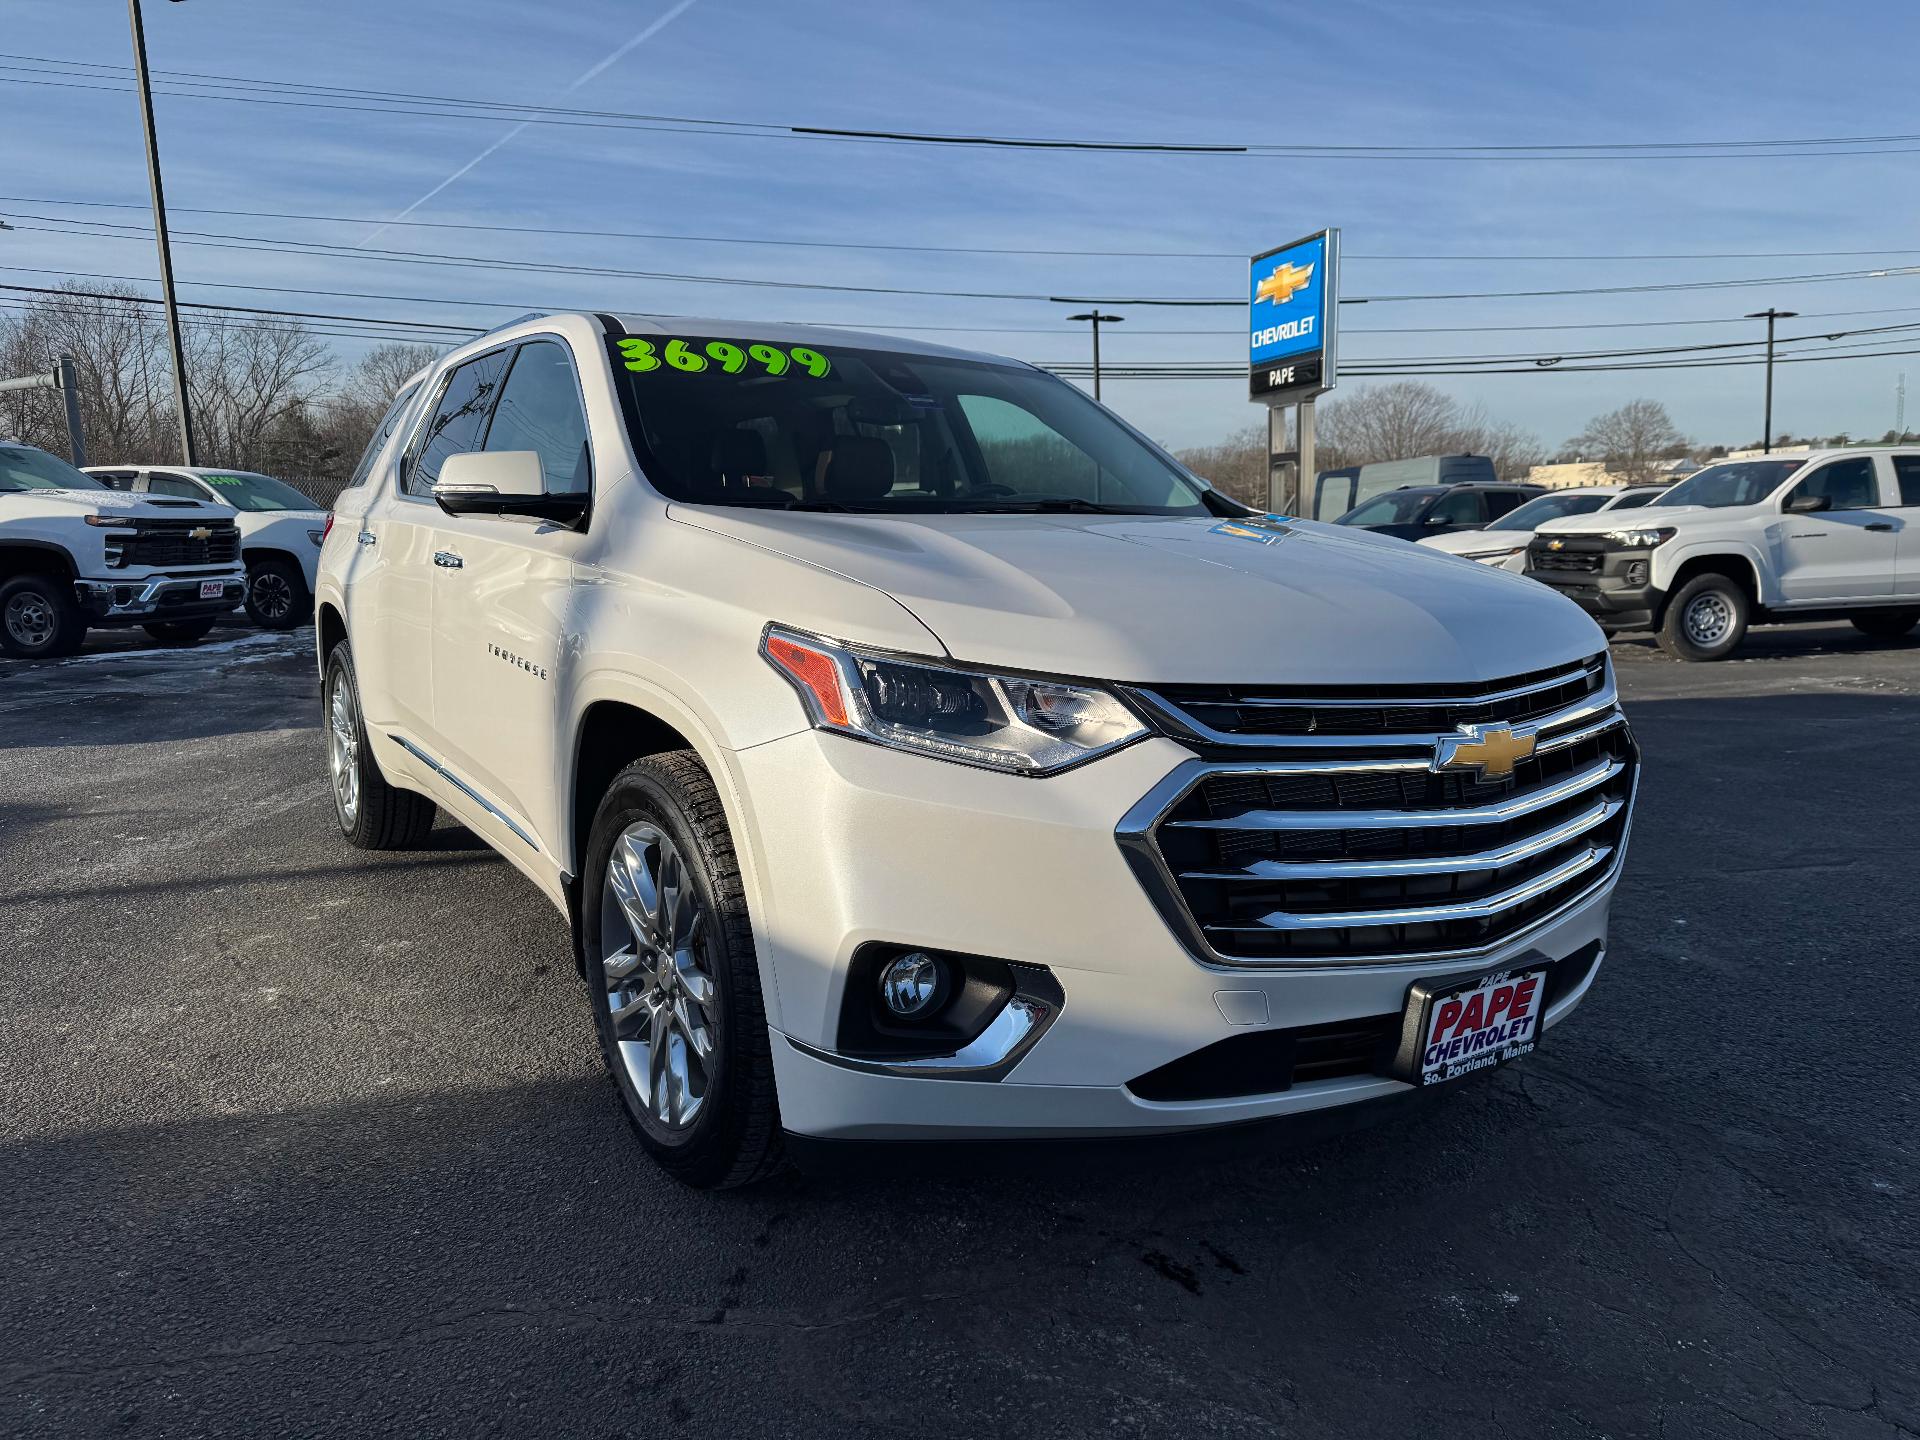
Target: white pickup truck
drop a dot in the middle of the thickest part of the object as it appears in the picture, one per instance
(917, 751)
(75, 554)
(1831, 534)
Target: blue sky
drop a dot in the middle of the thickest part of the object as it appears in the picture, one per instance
(1361, 72)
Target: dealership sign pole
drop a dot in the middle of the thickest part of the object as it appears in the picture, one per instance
(1293, 298)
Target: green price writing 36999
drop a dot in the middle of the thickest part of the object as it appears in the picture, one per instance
(692, 357)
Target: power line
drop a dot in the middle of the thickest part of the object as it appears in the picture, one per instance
(223, 240)
(674, 237)
(207, 85)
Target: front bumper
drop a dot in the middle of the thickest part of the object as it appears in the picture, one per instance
(154, 599)
(848, 843)
(1618, 593)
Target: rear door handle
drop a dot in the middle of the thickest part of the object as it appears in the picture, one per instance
(1880, 525)
(447, 560)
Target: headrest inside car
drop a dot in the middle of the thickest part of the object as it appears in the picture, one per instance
(739, 453)
(861, 468)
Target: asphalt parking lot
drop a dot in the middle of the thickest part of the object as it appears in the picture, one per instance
(299, 1140)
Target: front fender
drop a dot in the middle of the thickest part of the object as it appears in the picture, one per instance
(1671, 558)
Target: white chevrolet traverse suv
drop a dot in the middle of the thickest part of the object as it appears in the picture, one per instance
(918, 751)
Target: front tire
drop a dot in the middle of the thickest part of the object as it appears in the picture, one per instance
(180, 632)
(277, 594)
(1884, 624)
(674, 978)
(38, 619)
(1706, 619)
(373, 814)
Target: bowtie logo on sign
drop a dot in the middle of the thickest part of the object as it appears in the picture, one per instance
(1283, 284)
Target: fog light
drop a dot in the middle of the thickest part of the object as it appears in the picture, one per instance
(910, 983)
(123, 594)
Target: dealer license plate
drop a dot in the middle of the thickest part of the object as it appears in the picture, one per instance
(1453, 1028)
(212, 589)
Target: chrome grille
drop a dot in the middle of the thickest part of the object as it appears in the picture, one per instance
(1353, 848)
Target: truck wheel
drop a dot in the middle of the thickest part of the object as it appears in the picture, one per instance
(38, 619)
(276, 594)
(373, 814)
(1706, 619)
(675, 983)
(1884, 624)
(180, 632)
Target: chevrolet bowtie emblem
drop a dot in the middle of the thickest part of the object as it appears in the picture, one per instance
(1283, 284)
(1556, 544)
(200, 532)
(1490, 752)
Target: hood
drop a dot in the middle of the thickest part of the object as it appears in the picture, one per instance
(1599, 522)
(1476, 542)
(120, 502)
(1177, 600)
(255, 521)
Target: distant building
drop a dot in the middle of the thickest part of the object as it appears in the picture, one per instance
(1565, 477)
(1756, 453)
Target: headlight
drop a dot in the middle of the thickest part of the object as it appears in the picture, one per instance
(1003, 722)
(1491, 557)
(1643, 539)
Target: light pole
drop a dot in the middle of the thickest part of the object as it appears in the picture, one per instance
(1770, 315)
(1097, 318)
(160, 234)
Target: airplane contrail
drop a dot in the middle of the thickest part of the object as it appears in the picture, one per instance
(613, 59)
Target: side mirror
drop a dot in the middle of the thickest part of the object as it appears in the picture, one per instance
(503, 482)
(1809, 504)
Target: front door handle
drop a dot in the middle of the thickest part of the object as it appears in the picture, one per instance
(1881, 525)
(447, 560)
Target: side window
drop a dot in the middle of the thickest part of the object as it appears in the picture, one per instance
(116, 479)
(1630, 501)
(1849, 484)
(381, 434)
(1462, 507)
(540, 411)
(459, 422)
(1499, 502)
(1906, 469)
(174, 485)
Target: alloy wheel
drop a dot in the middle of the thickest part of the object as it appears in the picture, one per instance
(30, 621)
(272, 595)
(343, 749)
(660, 990)
(1708, 619)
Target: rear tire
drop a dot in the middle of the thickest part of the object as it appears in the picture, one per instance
(277, 596)
(1884, 624)
(373, 814)
(180, 632)
(665, 940)
(1706, 619)
(38, 618)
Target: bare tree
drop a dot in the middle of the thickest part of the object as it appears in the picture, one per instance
(1631, 440)
(1395, 421)
(1237, 465)
(119, 351)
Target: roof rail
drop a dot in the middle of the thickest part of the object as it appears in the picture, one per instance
(530, 315)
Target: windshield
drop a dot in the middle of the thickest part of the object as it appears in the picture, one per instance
(1396, 507)
(1542, 508)
(1635, 499)
(24, 468)
(1743, 482)
(743, 422)
(246, 491)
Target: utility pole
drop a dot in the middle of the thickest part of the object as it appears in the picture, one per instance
(1096, 317)
(160, 235)
(1900, 410)
(1770, 315)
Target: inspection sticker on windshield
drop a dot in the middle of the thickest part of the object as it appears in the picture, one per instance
(1453, 1028)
